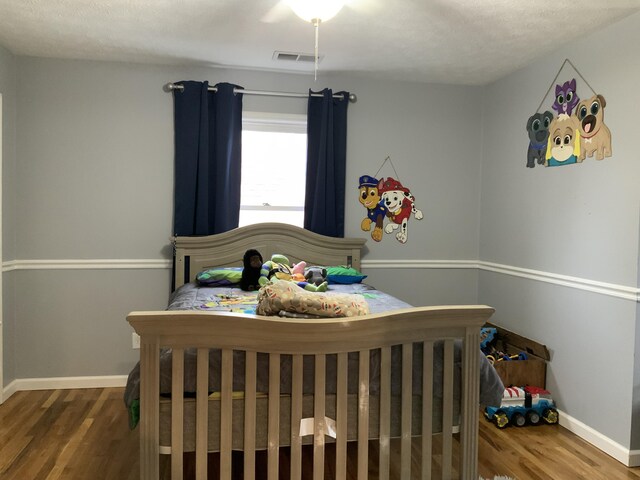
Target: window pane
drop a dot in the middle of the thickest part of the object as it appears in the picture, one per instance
(249, 217)
(273, 174)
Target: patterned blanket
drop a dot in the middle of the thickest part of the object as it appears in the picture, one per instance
(282, 296)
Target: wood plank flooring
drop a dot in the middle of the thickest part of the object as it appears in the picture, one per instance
(84, 435)
(67, 434)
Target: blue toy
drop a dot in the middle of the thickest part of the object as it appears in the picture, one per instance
(487, 335)
(522, 406)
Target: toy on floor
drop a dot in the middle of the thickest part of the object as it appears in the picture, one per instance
(522, 406)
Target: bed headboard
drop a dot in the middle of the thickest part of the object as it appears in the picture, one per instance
(194, 254)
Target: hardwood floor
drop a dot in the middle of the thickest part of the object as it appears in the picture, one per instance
(84, 435)
(67, 434)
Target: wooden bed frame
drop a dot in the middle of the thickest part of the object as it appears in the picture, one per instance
(319, 338)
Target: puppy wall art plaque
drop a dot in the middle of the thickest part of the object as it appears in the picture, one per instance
(595, 137)
(389, 206)
(574, 132)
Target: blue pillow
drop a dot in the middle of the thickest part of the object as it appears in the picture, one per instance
(220, 277)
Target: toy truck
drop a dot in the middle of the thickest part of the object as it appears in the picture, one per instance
(522, 406)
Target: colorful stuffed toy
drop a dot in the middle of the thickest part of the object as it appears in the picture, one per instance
(298, 271)
(279, 268)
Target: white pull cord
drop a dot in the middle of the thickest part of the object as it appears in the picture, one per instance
(316, 24)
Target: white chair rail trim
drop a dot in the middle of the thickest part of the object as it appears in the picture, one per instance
(611, 289)
(594, 286)
(99, 264)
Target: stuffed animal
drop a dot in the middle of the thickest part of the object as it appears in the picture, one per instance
(279, 268)
(316, 275)
(252, 264)
(298, 272)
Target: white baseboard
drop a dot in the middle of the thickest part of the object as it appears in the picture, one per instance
(630, 458)
(7, 392)
(63, 383)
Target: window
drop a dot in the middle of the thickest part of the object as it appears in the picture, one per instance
(274, 165)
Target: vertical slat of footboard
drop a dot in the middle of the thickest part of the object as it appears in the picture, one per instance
(202, 412)
(319, 414)
(177, 412)
(274, 416)
(469, 408)
(363, 415)
(385, 411)
(341, 416)
(407, 393)
(149, 408)
(447, 410)
(296, 417)
(250, 416)
(427, 409)
(226, 389)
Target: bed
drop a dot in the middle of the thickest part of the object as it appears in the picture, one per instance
(249, 382)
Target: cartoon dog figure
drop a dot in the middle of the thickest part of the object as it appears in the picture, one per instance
(566, 97)
(370, 198)
(563, 147)
(538, 131)
(595, 135)
(400, 204)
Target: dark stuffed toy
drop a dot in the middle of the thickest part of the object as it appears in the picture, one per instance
(252, 263)
(316, 275)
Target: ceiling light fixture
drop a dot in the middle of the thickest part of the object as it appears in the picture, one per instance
(316, 12)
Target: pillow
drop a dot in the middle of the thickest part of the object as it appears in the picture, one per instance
(220, 277)
(342, 274)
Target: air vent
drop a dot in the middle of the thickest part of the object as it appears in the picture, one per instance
(295, 57)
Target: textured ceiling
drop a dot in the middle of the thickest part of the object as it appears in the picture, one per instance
(446, 41)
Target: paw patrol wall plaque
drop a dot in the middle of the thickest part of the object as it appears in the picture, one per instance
(386, 199)
(576, 132)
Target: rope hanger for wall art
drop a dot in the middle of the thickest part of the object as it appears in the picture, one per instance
(388, 159)
(566, 60)
(386, 198)
(577, 129)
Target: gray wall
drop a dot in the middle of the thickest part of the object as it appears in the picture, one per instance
(95, 181)
(580, 221)
(8, 74)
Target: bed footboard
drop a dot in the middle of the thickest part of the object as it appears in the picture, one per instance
(339, 417)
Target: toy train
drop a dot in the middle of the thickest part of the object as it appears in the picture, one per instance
(522, 406)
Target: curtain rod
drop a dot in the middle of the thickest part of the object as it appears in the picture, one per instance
(169, 87)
